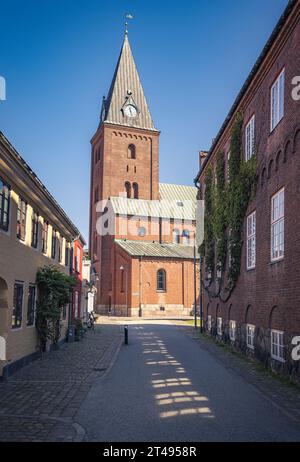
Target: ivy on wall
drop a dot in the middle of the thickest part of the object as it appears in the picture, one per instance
(208, 248)
(226, 205)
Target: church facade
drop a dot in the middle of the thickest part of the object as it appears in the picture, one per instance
(141, 231)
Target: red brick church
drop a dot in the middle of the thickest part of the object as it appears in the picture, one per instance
(141, 231)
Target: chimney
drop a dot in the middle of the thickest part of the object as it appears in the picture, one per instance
(202, 157)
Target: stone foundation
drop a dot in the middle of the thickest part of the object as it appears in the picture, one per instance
(262, 349)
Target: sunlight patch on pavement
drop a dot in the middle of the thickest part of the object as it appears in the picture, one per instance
(183, 401)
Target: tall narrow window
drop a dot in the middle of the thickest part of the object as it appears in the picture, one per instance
(45, 231)
(277, 100)
(128, 189)
(4, 205)
(31, 305)
(34, 229)
(131, 153)
(161, 280)
(219, 326)
(251, 241)
(60, 248)
(250, 336)
(67, 254)
(176, 236)
(232, 330)
(135, 187)
(277, 345)
(53, 243)
(249, 138)
(277, 226)
(21, 219)
(209, 323)
(17, 305)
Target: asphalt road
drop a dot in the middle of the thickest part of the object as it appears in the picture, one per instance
(164, 387)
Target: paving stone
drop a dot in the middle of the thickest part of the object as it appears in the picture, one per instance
(38, 402)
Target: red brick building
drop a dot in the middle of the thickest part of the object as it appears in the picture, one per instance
(76, 269)
(261, 315)
(141, 231)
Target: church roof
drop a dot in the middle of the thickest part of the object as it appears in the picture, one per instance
(126, 88)
(155, 249)
(176, 201)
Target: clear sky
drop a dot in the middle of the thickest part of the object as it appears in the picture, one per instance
(58, 59)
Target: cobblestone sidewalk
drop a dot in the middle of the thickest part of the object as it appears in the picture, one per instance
(38, 402)
(283, 395)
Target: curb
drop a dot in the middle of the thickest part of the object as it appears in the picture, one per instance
(113, 360)
(80, 432)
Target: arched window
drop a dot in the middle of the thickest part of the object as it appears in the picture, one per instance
(131, 152)
(186, 237)
(176, 236)
(161, 280)
(135, 190)
(128, 189)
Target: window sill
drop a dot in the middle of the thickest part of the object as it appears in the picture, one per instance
(276, 358)
(273, 262)
(4, 230)
(161, 291)
(272, 130)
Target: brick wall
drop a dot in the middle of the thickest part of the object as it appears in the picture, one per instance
(269, 295)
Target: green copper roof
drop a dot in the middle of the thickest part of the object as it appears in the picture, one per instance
(155, 249)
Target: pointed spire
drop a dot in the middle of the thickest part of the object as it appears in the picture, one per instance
(126, 103)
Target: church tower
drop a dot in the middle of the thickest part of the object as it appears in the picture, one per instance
(124, 157)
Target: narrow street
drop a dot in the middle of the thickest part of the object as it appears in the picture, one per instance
(165, 387)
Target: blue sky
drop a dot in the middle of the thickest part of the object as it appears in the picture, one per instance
(58, 58)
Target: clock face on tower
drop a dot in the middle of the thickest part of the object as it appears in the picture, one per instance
(130, 110)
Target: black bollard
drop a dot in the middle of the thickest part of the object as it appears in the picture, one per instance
(126, 335)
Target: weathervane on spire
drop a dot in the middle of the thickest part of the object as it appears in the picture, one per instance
(127, 16)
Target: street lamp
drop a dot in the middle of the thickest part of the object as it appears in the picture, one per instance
(195, 284)
(123, 269)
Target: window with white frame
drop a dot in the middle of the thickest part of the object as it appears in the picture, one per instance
(277, 100)
(249, 138)
(209, 323)
(251, 240)
(232, 330)
(250, 336)
(219, 326)
(277, 226)
(277, 346)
